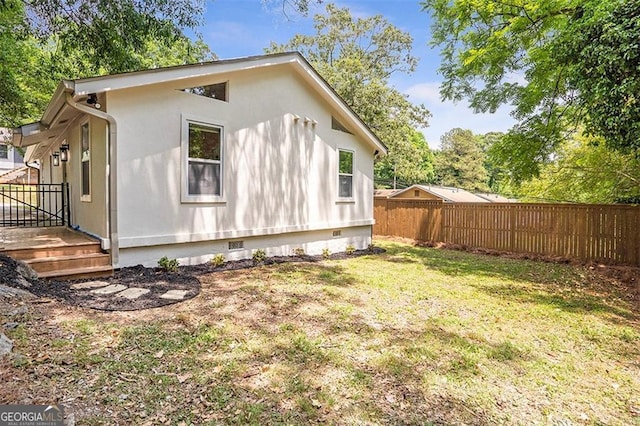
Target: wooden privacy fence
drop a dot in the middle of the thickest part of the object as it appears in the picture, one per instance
(606, 233)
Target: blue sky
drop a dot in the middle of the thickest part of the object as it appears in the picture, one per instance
(236, 28)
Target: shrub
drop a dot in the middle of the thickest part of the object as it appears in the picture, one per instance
(326, 253)
(298, 251)
(259, 256)
(218, 260)
(350, 249)
(169, 265)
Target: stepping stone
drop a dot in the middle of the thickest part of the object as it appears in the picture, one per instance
(113, 288)
(174, 294)
(89, 284)
(133, 293)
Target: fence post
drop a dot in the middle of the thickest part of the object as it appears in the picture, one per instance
(67, 205)
(512, 228)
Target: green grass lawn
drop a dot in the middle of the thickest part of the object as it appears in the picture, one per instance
(411, 336)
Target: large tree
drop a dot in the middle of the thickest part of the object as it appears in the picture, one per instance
(560, 63)
(460, 161)
(585, 171)
(357, 56)
(498, 177)
(43, 41)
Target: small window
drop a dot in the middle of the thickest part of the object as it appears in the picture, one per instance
(345, 174)
(4, 151)
(337, 233)
(236, 245)
(204, 162)
(336, 125)
(215, 91)
(85, 161)
(416, 193)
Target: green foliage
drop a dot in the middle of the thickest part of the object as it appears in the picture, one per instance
(298, 251)
(259, 256)
(44, 41)
(559, 63)
(498, 177)
(401, 168)
(586, 171)
(357, 57)
(113, 35)
(169, 265)
(601, 51)
(218, 260)
(25, 68)
(326, 253)
(350, 249)
(460, 163)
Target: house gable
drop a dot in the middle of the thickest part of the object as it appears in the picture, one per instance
(185, 74)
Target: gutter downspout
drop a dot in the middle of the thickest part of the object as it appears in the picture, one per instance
(29, 166)
(111, 170)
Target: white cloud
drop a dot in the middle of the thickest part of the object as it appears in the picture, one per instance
(424, 93)
(448, 115)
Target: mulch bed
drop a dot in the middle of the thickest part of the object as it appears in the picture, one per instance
(16, 275)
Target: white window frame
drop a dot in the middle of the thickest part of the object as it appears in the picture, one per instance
(85, 197)
(198, 198)
(7, 151)
(352, 174)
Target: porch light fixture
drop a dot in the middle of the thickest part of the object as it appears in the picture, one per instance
(56, 158)
(64, 152)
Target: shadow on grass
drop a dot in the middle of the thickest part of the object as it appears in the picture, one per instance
(556, 285)
(286, 344)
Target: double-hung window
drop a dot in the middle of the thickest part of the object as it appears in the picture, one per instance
(4, 151)
(345, 174)
(203, 147)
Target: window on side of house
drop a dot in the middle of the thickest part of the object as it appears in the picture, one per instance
(85, 161)
(204, 161)
(4, 151)
(345, 174)
(216, 91)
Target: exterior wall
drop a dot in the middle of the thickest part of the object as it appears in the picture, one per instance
(89, 215)
(313, 242)
(424, 195)
(280, 175)
(13, 160)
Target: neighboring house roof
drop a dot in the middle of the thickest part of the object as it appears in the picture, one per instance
(448, 194)
(385, 193)
(54, 120)
(23, 175)
(496, 198)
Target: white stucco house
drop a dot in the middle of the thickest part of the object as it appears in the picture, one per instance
(223, 157)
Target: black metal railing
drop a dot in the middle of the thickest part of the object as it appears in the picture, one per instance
(34, 205)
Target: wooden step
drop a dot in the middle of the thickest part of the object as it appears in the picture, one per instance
(79, 273)
(54, 251)
(77, 261)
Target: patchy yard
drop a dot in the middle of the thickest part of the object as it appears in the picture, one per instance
(411, 336)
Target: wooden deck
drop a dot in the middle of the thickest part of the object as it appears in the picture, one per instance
(56, 236)
(56, 252)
